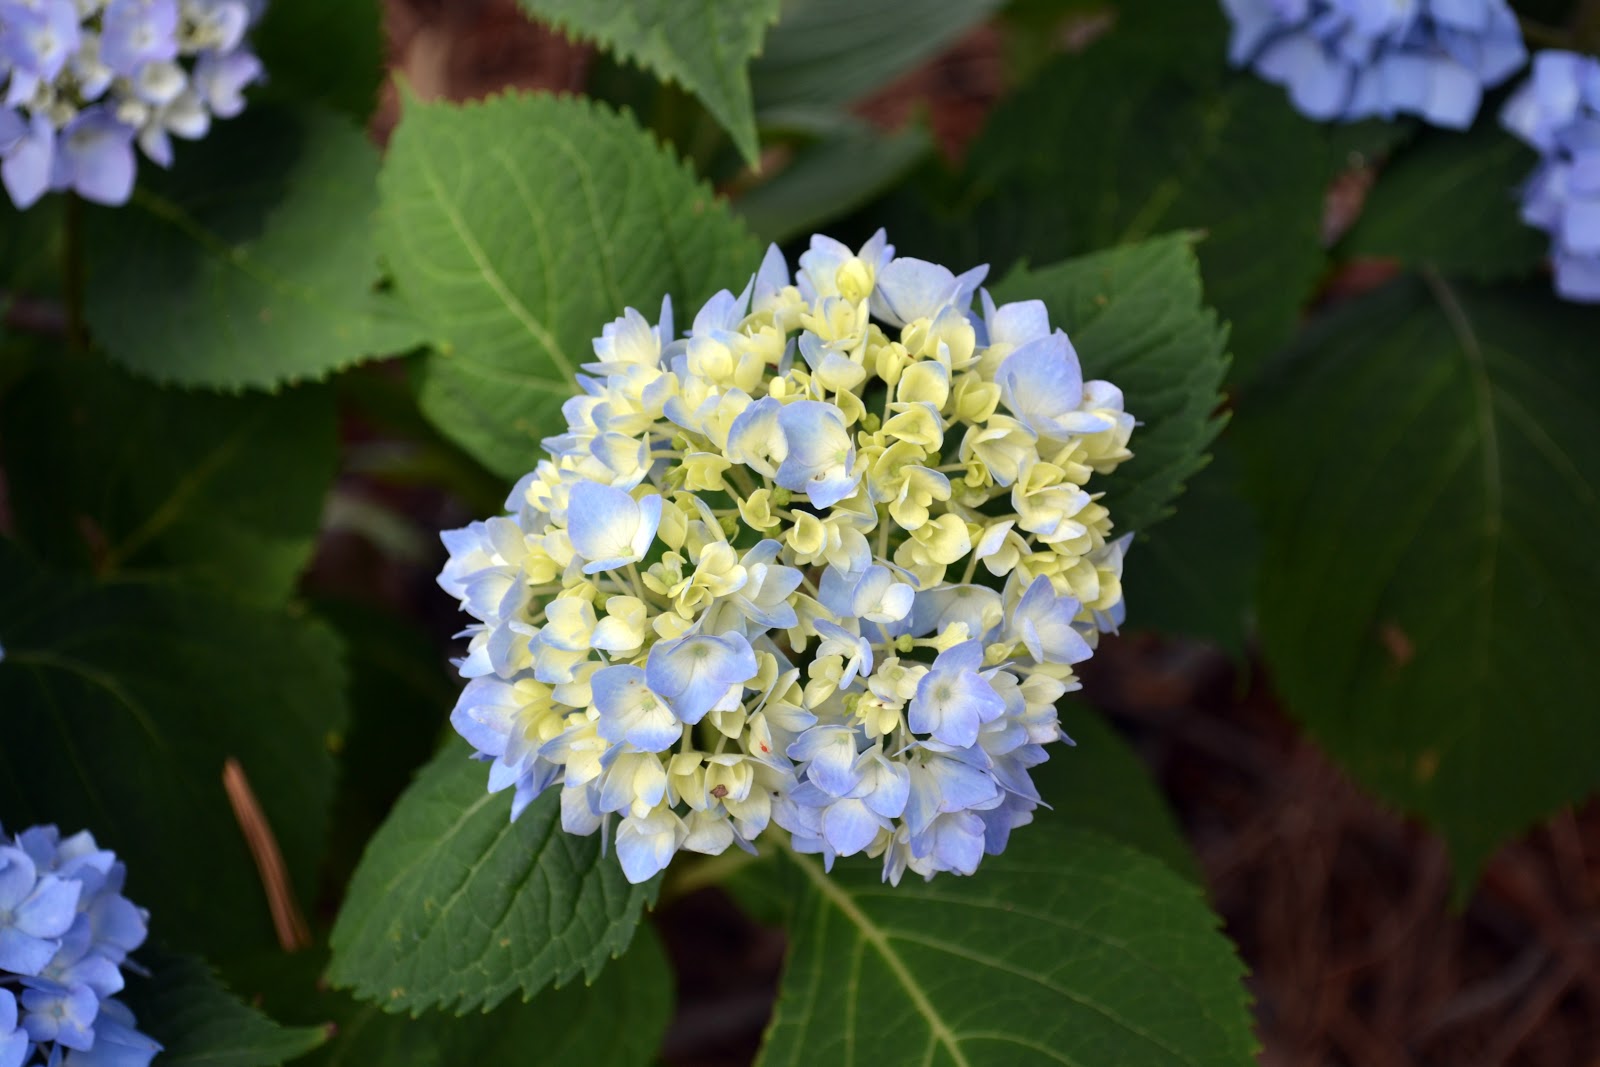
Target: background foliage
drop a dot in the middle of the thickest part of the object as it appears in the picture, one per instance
(1398, 517)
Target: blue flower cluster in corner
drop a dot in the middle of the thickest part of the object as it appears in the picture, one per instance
(1358, 59)
(65, 934)
(1557, 111)
(826, 562)
(87, 80)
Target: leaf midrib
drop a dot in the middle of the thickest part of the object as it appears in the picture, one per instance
(875, 936)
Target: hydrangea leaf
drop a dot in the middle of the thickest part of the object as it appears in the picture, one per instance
(828, 53)
(845, 165)
(1196, 572)
(332, 54)
(1429, 608)
(1415, 212)
(262, 238)
(1150, 154)
(199, 1023)
(1067, 948)
(111, 473)
(123, 700)
(1136, 318)
(30, 252)
(455, 906)
(398, 686)
(517, 228)
(703, 45)
(1101, 785)
(618, 1021)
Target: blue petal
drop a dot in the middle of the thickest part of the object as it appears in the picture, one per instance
(830, 754)
(692, 673)
(910, 289)
(1318, 84)
(29, 164)
(850, 826)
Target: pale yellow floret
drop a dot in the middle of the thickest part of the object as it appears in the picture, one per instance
(924, 383)
(917, 424)
(756, 510)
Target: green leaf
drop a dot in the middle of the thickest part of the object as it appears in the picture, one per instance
(1068, 948)
(618, 1021)
(1450, 202)
(331, 54)
(840, 170)
(828, 53)
(31, 249)
(1149, 154)
(703, 45)
(517, 228)
(456, 906)
(1101, 784)
(262, 238)
(112, 472)
(123, 699)
(1136, 318)
(1429, 477)
(400, 689)
(1195, 574)
(201, 1024)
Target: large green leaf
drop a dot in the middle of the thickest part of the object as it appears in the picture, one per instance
(200, 1024)
(828, 53)
(616, 1022)
(1135, 316)
(1145, 153)
(1100, 784)
(330, 53)
(518, 228)
(703, 45)
(123, 700)
(261, 237)
(1450, 202)
(845, 164)
(1195, 574)
(1429, 475)
(456, 906)
(110, 471)
(400, 689)
(1066, 949)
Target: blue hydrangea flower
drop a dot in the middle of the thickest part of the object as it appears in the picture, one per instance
(1356, 59)
(65, 933)
(87, 81)
(824, 564)
(1557, 112)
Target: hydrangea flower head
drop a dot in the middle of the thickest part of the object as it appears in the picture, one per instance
(821, 566)
(86, 81)
(1358, 59)
(1557, 112)
(65, 932)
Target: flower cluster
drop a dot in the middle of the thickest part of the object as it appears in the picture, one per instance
(826, 563)
(1557, 111)
(65, 934)
(1356, 59)
(86, 79)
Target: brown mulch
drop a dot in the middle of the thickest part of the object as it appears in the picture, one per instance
(1340, 908)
